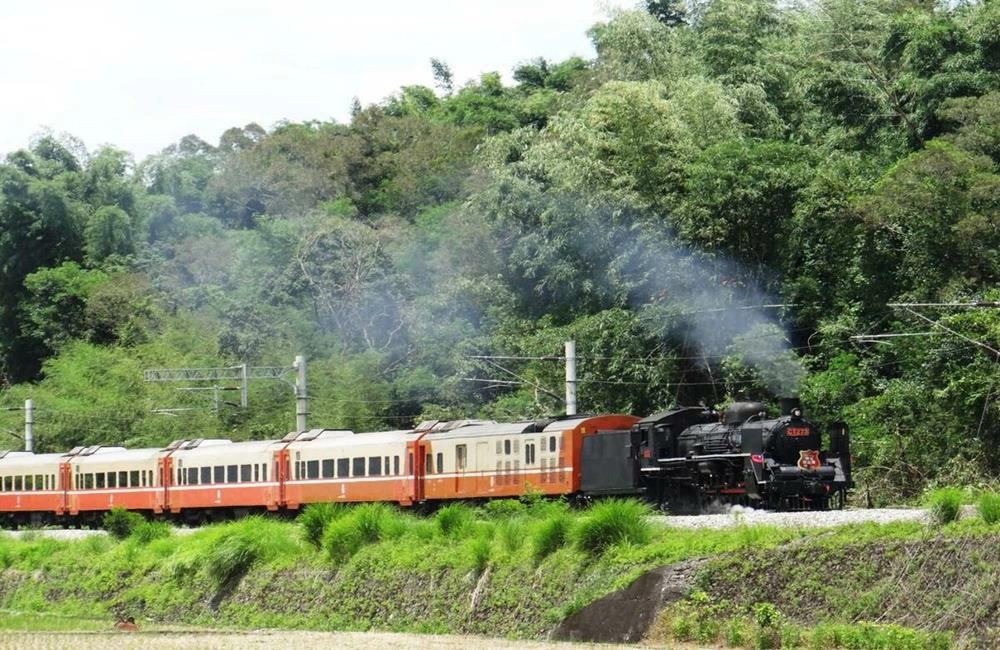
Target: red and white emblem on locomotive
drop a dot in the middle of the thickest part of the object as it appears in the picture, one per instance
(809, 460)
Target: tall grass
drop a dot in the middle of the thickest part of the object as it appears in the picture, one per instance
(945, 505)
(612, 522)
(237, 546)
(453, 519)
(989, 507)
(551, 534)
(120, 523)
(315, 517)
(369, 523)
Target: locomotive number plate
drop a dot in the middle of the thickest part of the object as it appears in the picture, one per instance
(796, 432)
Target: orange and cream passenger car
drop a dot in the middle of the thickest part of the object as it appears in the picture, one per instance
(437, 461)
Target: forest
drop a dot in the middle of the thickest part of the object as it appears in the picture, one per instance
(830, 160)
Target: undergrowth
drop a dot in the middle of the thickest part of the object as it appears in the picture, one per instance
(510, 570)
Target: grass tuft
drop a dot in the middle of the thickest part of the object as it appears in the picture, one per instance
(945, 504)
(989, 507)
(369, 523)
(147, 531)
(613, 522)
(314, 519)
(120, 523)
(239, 545)
(453, 520)
(552, 534)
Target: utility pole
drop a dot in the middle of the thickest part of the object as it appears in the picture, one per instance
(570, 377)
(29, 425)
(301, 396)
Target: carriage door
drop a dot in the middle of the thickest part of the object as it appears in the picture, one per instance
(65, 485)
(164, 473)
(279, 474)
(461, 467)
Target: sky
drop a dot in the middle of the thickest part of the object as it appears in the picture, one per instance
(142, 75)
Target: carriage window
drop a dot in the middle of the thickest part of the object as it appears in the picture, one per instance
(552, 443)
(88, 481)
(375, 466)
(460, 456)
(28, 483)
(359, 467)
(263, 471)
(122, 479)
(506, 447)
(395, 465)
(517, 446)
(428, 464)
(256, 472)
(499, 447)
(343, 467)
(219, 473)
(46, 481)
(440, 459)
(385, 465)
(245, 473)
(529, 450)
(327, 469)
(312, 469)
(409, 463)
(144, 479)
(133, 478)
(232, 473)
(112, 480)
(205, 475)
(99, 480)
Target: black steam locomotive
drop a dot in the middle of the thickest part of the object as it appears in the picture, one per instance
(695, 459)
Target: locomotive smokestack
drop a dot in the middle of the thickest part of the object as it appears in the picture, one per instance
(788, 404)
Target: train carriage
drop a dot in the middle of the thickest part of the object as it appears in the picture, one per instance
(221, 474)
(29, 486)
(343, 466)
(97, 479)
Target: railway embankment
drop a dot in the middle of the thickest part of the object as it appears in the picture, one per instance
(530, 571)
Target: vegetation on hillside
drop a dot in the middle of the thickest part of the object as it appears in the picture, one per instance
(836, 156)
(501, 570)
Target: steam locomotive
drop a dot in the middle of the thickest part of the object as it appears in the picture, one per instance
(695, 459)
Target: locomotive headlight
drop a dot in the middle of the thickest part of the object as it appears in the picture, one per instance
(796, 413)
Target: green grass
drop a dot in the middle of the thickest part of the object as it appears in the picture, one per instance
(989, 507)
(314, 519)
(612, 522)
(384, 568)
(945, 504)
(120, 523)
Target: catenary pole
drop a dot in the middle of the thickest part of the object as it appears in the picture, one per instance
(570, 377)
(301, 396)
(29, 425)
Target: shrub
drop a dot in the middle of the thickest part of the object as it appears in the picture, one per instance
(479, 553)
(453, 519)
(551, 535)
(511, 534)
(613, 522)
(314, 519)
(240, 544)
(945, 504)
(366, 524)
(989, 507)
(120, 523)
(147, 531)
(341, 539)
(504, 508)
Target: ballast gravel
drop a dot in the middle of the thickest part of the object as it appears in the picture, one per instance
(736, 516)
(739, 516)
